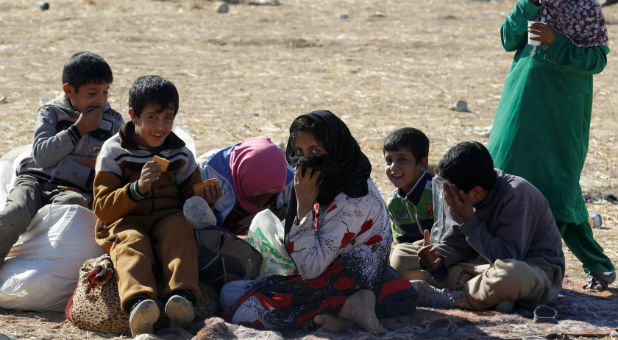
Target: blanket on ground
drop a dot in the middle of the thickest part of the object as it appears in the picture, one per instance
(580, 313)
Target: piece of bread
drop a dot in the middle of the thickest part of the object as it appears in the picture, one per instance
(164, 162)
(199, 186)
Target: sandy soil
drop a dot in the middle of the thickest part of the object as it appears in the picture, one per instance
(251, 71)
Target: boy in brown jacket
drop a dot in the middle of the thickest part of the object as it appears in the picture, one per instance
(139, 203)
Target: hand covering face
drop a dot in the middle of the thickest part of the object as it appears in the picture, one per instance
(344, 167)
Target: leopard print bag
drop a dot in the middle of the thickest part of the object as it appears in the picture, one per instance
(95, 304)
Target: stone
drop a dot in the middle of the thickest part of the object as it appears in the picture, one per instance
(460, 106)
(479, 130)
(222, 9)
(265, 3)
(344, 16)
(44, 6)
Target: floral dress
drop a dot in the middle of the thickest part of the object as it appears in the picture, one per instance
(339, 249)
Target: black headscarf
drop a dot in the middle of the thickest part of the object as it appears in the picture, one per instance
(344, 167)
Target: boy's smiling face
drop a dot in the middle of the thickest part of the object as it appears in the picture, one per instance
(402, 168)
(153, 125)
(90, 94)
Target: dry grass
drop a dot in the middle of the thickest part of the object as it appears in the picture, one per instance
(251, 71)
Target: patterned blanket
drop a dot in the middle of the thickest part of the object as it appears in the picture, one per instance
(579, 313)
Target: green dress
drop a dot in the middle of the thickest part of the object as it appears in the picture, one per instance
(541, 127)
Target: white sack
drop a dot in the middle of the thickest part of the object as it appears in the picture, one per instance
(42, 268)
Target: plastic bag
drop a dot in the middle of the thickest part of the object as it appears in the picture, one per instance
(266, 235)
(8, 168)
(443, 216)
(42, 268)
(186, 136)
(198, 213)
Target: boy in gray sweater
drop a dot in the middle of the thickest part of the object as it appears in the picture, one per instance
(69, 133)
(500, 244)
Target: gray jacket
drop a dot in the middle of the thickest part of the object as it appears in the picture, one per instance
(512, 222)
(60, 154)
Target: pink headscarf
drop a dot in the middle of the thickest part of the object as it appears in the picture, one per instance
(258, 167)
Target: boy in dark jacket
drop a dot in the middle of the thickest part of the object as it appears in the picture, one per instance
(499, 243)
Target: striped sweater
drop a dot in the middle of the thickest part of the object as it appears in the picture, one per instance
(118, 169)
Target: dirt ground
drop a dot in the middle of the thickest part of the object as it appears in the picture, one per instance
(252, 70)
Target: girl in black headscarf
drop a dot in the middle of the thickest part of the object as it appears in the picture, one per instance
(337, 232)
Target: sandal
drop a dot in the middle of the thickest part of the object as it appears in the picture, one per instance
(600, 281)
(546, 314)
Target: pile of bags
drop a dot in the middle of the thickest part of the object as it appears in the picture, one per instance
(41, 270)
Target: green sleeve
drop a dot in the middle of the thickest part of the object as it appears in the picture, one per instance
(514, 30)
(396, 231)
(587, 60)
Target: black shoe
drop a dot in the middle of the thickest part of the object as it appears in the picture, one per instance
(600, 281)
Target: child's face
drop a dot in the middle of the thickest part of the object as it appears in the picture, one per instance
(402, 168)
(306, 145)
(90, 94)
(154, 124)
(260, 200)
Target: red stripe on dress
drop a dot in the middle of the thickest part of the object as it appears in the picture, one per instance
(394, 286)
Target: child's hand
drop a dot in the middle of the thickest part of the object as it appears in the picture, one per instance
(89, 119)
(546, 34)
(459, 203)
(429, 255)
(306, 187)
(150, 174)
(211, 192)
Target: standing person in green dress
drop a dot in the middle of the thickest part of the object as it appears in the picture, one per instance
(543, 119)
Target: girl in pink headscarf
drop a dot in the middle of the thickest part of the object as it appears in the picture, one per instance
(253, 175)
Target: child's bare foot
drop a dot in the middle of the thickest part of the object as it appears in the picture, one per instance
(360, 309)
(331, 323)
